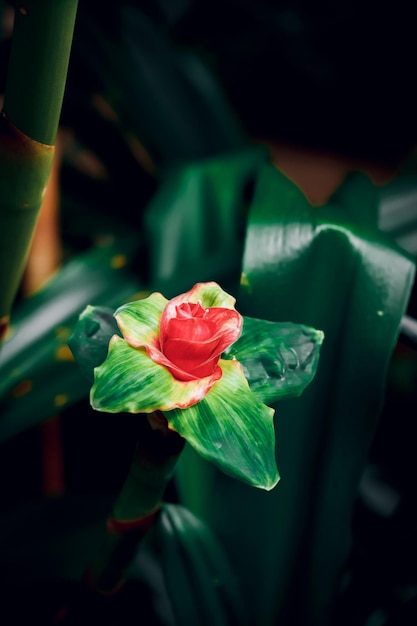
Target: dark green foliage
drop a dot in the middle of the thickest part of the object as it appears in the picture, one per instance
(328, 267)
(195, 223)
(201, 584)
(37, 347)
(279, 359)
(90, 338)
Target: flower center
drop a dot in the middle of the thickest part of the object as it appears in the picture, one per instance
(188, 310)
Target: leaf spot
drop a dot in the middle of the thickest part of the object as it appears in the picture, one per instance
(22, 388)
(62, 333)
(60, 399)
(63, 353)
(118, 261)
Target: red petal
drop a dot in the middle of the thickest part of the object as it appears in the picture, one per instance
(227, 323)
(188, 309)
(191, 356)
(191, 297)
(193, 329)
(158, 357)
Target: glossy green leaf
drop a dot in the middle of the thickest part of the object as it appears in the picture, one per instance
(279, 359)
(231, 428)
(195, 222)
(329, 268)
(129, 380)
(201, 583)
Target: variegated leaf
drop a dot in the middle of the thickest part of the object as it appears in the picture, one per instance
(232, 428)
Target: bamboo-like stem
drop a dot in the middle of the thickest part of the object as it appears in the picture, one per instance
(45, 252)
(24, 172)
(34, 92)
(138, 504)
(37, 71)
(44, 260)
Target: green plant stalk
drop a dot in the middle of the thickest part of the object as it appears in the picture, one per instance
(24, 172)
(138, 503)
(37, 72)
(34, 92)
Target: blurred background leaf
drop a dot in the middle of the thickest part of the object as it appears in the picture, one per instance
(37, 351)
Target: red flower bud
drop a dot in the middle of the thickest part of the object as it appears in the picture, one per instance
(185, 335)
(194, 339)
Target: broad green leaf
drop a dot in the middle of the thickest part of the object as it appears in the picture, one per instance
(139, 321)
(194, 222)
(200, 581)
(231, 428)
(284, 360)
(36, 349)
(130, 381)
(89, 341)
(329, 268)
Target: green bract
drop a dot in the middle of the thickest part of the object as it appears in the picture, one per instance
(221, 415)
(130, 381)
(232, 428)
